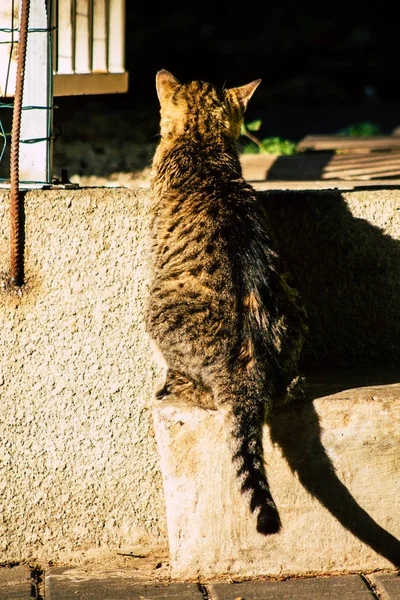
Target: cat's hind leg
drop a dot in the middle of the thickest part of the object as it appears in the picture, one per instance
(181, 389)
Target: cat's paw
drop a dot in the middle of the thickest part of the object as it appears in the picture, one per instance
(163, 394)
(297, 389)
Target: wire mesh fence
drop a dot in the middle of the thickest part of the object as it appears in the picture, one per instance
(74, 47)
(35, 104)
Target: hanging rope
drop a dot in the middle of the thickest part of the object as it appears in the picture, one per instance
(16, 199)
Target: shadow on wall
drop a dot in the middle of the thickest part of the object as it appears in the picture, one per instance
(299, 437)
(348, 274)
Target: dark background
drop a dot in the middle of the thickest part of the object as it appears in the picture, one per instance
(321, 64)
(323, 67)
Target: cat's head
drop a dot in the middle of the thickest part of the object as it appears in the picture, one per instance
(200, 108)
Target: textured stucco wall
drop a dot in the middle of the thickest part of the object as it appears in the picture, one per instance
(78, 460)
(79, 467)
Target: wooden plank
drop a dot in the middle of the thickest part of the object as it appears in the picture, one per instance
(91, 83)
(364, 159)
(99, 63)
(321, 166)
(83, 37)
(299, 167)
(65, 37)
(363, 173)
(389, 174)
(373, 166)
(335, 142)
(116, 36)
(326, 184)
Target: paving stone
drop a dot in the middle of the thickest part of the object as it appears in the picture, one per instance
(61, 585)
(15, 583)
(349, 587)
(387, 585)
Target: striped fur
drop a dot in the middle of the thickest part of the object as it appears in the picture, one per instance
(221, 312)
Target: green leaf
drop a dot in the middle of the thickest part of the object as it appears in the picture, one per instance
(362, 129)
(277, 145)
(254, 125)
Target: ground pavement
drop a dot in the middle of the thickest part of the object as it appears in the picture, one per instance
(60, 583)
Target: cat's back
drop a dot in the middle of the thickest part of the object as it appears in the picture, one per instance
(207, 219)
(197, 185)
(212, 215)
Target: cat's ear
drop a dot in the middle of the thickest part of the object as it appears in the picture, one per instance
(165, 84)
(245, 92)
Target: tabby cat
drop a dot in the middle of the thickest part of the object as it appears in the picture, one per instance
(221, 312)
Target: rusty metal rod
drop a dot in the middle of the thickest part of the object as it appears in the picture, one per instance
(16, 199)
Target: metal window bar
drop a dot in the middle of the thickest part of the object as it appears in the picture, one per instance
(75, 47)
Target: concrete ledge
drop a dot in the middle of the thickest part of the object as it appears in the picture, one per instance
(79, 466)
(78, 460)
(333, 466)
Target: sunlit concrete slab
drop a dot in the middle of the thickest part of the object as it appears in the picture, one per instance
(333, 464)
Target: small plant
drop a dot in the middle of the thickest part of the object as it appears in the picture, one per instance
(363, 129)
(271, 145)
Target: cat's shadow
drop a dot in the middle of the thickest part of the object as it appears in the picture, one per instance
(346, 269)
(348, 273)
(297, 431)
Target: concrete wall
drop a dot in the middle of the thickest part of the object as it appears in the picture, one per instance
(333, 467)
(79, 467)
(78, 461)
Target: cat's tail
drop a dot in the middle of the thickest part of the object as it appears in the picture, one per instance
(247, 420)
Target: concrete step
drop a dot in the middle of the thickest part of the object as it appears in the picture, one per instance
(333, 464)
